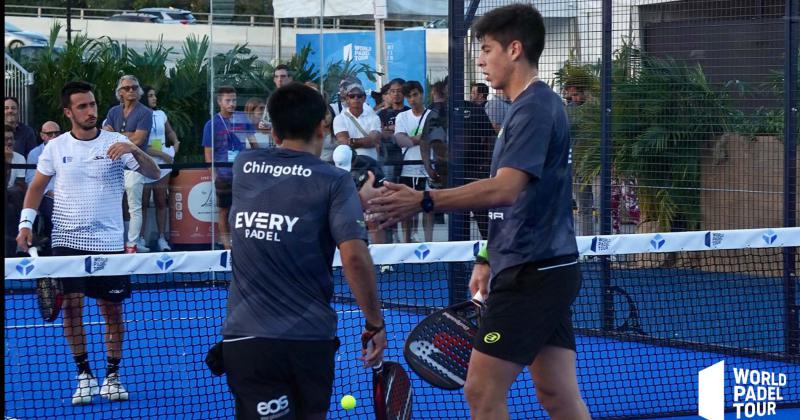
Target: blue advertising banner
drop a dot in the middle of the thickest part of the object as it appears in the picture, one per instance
(405, 52)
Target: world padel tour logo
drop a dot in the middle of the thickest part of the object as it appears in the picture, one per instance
(164, 262)
(25, 267)
(769, 237)
(756, 393)
(657, 242)
(94, 264)
(600, 244)
(422, 251)
(713, 239)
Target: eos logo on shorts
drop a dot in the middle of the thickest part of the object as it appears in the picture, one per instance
(491, 338)
(273, 406)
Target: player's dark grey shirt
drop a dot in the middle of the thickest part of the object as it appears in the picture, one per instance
(290, 210)
(539, 225)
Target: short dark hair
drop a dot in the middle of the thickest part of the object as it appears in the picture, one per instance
(396, 81)
(520, 22)
(483, 89)
(13, 98)
(9, 129)
(72, 88)
(283, 67)
(411, 85)
(385, 89)
(225, 89)
(296, 110)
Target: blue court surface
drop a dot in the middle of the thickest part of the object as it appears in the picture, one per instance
(168, 333)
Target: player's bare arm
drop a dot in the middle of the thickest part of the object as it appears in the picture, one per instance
(400, 202)
(360, 275)
(33, 198)
(147, 166)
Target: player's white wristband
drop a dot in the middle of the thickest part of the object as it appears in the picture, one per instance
(26, 218)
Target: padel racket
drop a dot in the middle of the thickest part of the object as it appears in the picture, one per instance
(50, 293)
(391, 389)
(439, 347)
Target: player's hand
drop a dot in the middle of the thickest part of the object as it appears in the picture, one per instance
(24, 239)
(107, 127)
(397, 202)
(368, 190)
(120, 148)
(373, 353)
(479, 282)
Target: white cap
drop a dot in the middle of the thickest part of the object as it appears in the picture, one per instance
(343, 157)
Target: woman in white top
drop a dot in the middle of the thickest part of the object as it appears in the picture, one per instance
(255, 109)
(162, 146)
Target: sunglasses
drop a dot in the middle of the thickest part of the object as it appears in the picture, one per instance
(51, 133)
(356, 95)
(129, 88)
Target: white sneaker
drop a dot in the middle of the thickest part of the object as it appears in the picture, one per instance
(141, 246)
(112, 389)
(163, 245)
(87, 388)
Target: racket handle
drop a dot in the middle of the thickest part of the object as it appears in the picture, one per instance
(33, 252)
(478, 298)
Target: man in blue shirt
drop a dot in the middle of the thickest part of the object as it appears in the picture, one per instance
(224, 136)
(132, 119)
(289, 213)
(531, 276)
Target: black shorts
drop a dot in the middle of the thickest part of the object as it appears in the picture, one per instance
(281, 379)
(224, 190)
(528, 308)
(417, 183)
(109, 288)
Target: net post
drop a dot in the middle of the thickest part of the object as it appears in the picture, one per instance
(790, 123)
(606, 156)
(458, 226)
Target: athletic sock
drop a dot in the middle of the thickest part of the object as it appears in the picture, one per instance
(113, 366)
(82, 360)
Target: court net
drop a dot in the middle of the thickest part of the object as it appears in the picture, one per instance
(654, 310)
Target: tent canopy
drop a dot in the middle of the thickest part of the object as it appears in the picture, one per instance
(396, 8)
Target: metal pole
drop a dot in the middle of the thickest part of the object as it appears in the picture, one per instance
(69, 21)
(606, 145)
(459, 221)
(790, 111)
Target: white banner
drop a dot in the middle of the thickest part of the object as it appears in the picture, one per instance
(208, 261)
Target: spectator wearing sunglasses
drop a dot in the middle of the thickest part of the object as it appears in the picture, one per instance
(134, 120)
(361, 130)
(49, 131)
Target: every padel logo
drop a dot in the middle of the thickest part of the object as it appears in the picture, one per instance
(25, 267)
(657, 242)
(422, 251)
(769, 237)
(164, 262)
(491, 338)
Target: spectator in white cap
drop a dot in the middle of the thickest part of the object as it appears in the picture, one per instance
(343, 157)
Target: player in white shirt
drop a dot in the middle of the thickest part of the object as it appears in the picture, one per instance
(87, 219)
(408, 129)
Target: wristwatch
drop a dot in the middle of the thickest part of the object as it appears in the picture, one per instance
(427, 202)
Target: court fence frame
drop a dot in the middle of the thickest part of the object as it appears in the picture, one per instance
(462, 13)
